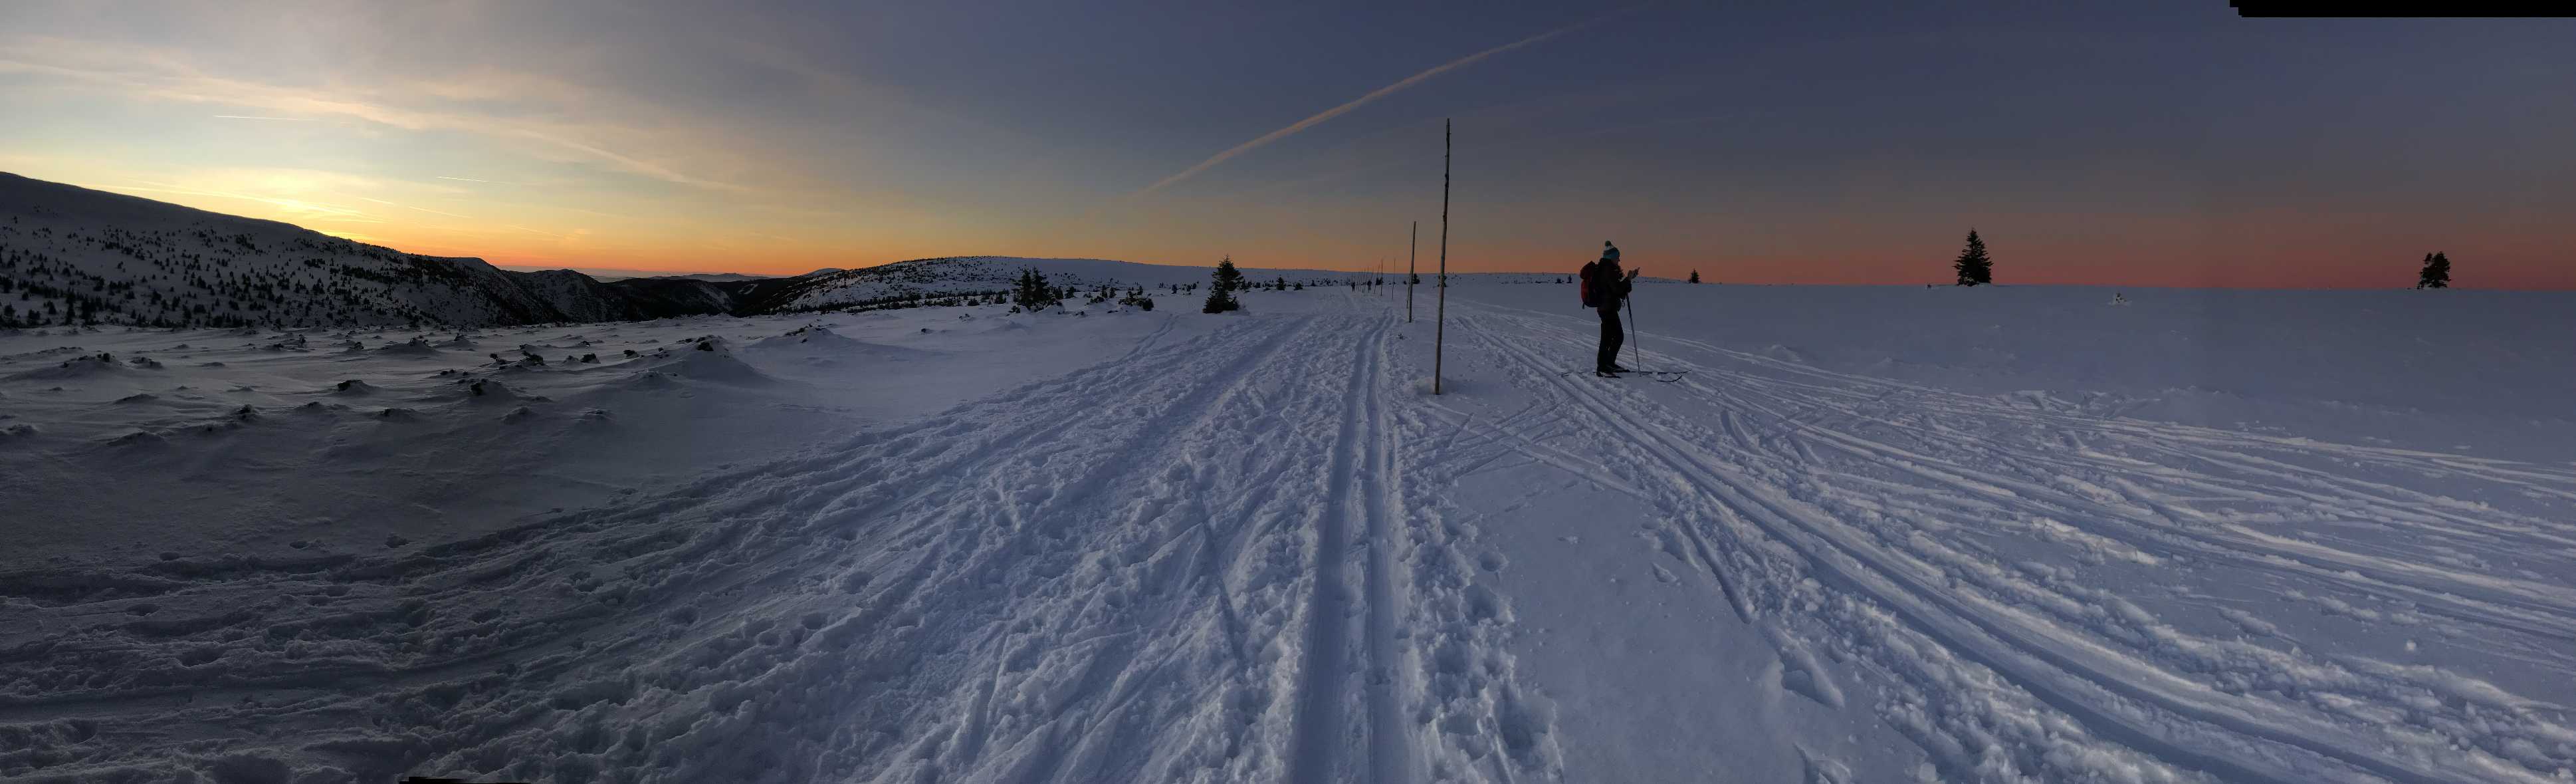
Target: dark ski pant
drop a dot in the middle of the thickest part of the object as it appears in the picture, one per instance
(1611, 337)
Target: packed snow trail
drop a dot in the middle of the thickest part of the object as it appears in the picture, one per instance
(1911, 533)
(1256, 549)
(1113, 575)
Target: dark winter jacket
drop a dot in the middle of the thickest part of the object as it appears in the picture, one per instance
(1609, 284)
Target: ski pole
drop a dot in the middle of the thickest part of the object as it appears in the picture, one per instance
(1636, 352)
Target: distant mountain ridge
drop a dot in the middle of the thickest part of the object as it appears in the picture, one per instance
(74, 255)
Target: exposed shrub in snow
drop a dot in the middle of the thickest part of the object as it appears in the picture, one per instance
(1031, 293)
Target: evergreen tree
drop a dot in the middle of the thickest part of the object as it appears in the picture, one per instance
(1694, 276)
(2437, 272)
(1221, 287)
(1973, 266)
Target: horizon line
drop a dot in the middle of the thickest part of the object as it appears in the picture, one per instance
(1428, 277)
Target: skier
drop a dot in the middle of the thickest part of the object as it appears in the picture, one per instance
(1609, 287)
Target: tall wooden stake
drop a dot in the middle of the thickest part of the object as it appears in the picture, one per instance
(1440, 331)
(1410, 240)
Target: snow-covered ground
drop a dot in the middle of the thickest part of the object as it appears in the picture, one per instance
(1874, 534)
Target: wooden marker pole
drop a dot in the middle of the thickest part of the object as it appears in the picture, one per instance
(1440, 331)
(1410, 240)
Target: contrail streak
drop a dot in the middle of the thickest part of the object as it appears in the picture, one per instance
(1364, 100)
(256, 117)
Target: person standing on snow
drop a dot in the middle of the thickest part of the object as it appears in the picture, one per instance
(1609, 288)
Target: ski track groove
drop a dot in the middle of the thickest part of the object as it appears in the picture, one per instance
(1122, 573)
(1390, 743)
(439, 562)
(1356, 523)
(839, 507)
(2100, 686)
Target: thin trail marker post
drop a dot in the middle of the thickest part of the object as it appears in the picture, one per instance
(1440, 330)
(1410, 240)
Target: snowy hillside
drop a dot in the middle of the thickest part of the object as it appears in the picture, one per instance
(73, 255)
(1868, 534)
(964, 274)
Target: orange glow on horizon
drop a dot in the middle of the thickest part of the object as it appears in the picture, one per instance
(2264, 250)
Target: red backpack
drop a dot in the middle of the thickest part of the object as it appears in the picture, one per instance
(1586, 279)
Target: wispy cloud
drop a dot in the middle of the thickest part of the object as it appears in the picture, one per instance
(168, 77)
(1373, 95)
(409, 207)
(470, 179)
(435, 212)
(296, 206)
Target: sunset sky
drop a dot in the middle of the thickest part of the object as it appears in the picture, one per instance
(2157, 143)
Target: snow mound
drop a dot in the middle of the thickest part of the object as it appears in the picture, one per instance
(718, 366)
(650, 380)
(489, 391)
(1784, 353)
(700, 359)
(813, 340)
(74, 368)
(139, 438)
(810, 336)
(419, 347)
